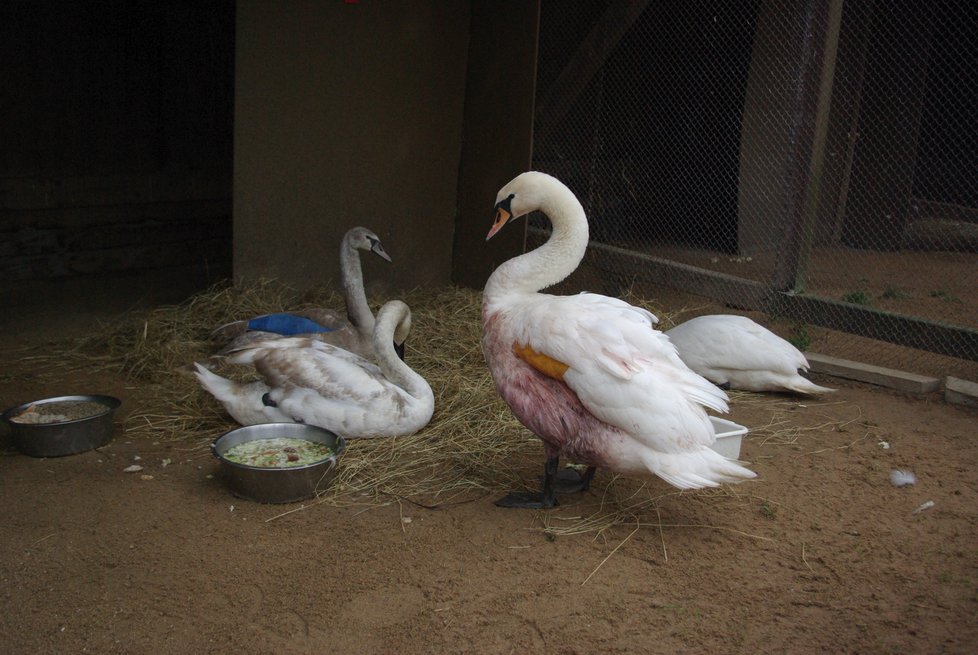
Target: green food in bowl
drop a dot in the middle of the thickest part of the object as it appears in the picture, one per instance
(279, 452)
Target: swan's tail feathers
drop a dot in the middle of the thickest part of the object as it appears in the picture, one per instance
(803, 385)
(709, 395)
(221, 388)
(699, 468)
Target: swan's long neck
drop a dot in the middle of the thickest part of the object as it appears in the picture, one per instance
(357, 309)
(555, 259)
(394, 369)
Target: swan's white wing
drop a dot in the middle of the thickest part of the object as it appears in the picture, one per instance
(625, 372)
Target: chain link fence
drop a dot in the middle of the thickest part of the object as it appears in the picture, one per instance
(814, 162)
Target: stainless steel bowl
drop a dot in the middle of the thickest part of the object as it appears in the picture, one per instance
(63, 437)
(278, 485)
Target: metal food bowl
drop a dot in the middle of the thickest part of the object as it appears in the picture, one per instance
(62, 437)
(278, 485)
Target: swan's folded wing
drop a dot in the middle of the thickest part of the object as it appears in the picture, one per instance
(590, 327)
(311, 364)
(625, 372)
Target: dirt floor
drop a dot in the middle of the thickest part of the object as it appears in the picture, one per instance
(820, 554)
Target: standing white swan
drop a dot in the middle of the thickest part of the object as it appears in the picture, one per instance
(308, 381)
(737, 353)
(351, 329)
(588, 374)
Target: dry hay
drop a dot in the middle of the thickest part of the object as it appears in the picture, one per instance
(471, 446)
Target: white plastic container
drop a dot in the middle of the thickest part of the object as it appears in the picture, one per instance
(729, 436)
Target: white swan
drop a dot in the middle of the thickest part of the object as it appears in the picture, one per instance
(589, 374)
(351, 329)
(308, 381)
(737, 353)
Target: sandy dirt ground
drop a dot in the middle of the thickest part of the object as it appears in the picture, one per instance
(819, 554)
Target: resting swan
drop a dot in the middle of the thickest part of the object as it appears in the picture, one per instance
(737, 353)
(307, 381)
(351, 330)
(588, 374)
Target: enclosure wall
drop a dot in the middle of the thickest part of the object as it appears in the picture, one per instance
(347, 114)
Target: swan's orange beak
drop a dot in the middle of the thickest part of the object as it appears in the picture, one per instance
(502, 217)
(504, 212)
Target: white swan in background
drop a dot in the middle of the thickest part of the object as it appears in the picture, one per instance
(737, 353)
(588, 374)
(351, 329)
(307, 381)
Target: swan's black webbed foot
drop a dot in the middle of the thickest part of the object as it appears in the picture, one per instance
(571, 480)
(725, 386)
(531, 499)
(527, 500)
(267, 401)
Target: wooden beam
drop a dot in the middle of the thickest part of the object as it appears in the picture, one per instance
(880, 375)
(794, 258)
(933, 336)
(40, 193)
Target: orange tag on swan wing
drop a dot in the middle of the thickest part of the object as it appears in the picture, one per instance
(543, 363)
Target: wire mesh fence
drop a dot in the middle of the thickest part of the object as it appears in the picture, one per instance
(812, 160)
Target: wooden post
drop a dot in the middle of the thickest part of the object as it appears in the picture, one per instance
(881, 182)
(813, 192)
(804, 152)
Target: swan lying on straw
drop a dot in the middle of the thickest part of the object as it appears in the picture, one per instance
(304, 380)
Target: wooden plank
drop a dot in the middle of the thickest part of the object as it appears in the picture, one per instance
(946, 210)
(933, 336)
(587, 60)
(823, 20)
(146, 256)
(961, 392)
(120, 189)
(879, 375)
(74, 238)
(100, 215)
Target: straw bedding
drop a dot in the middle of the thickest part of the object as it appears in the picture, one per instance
(472, 447)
